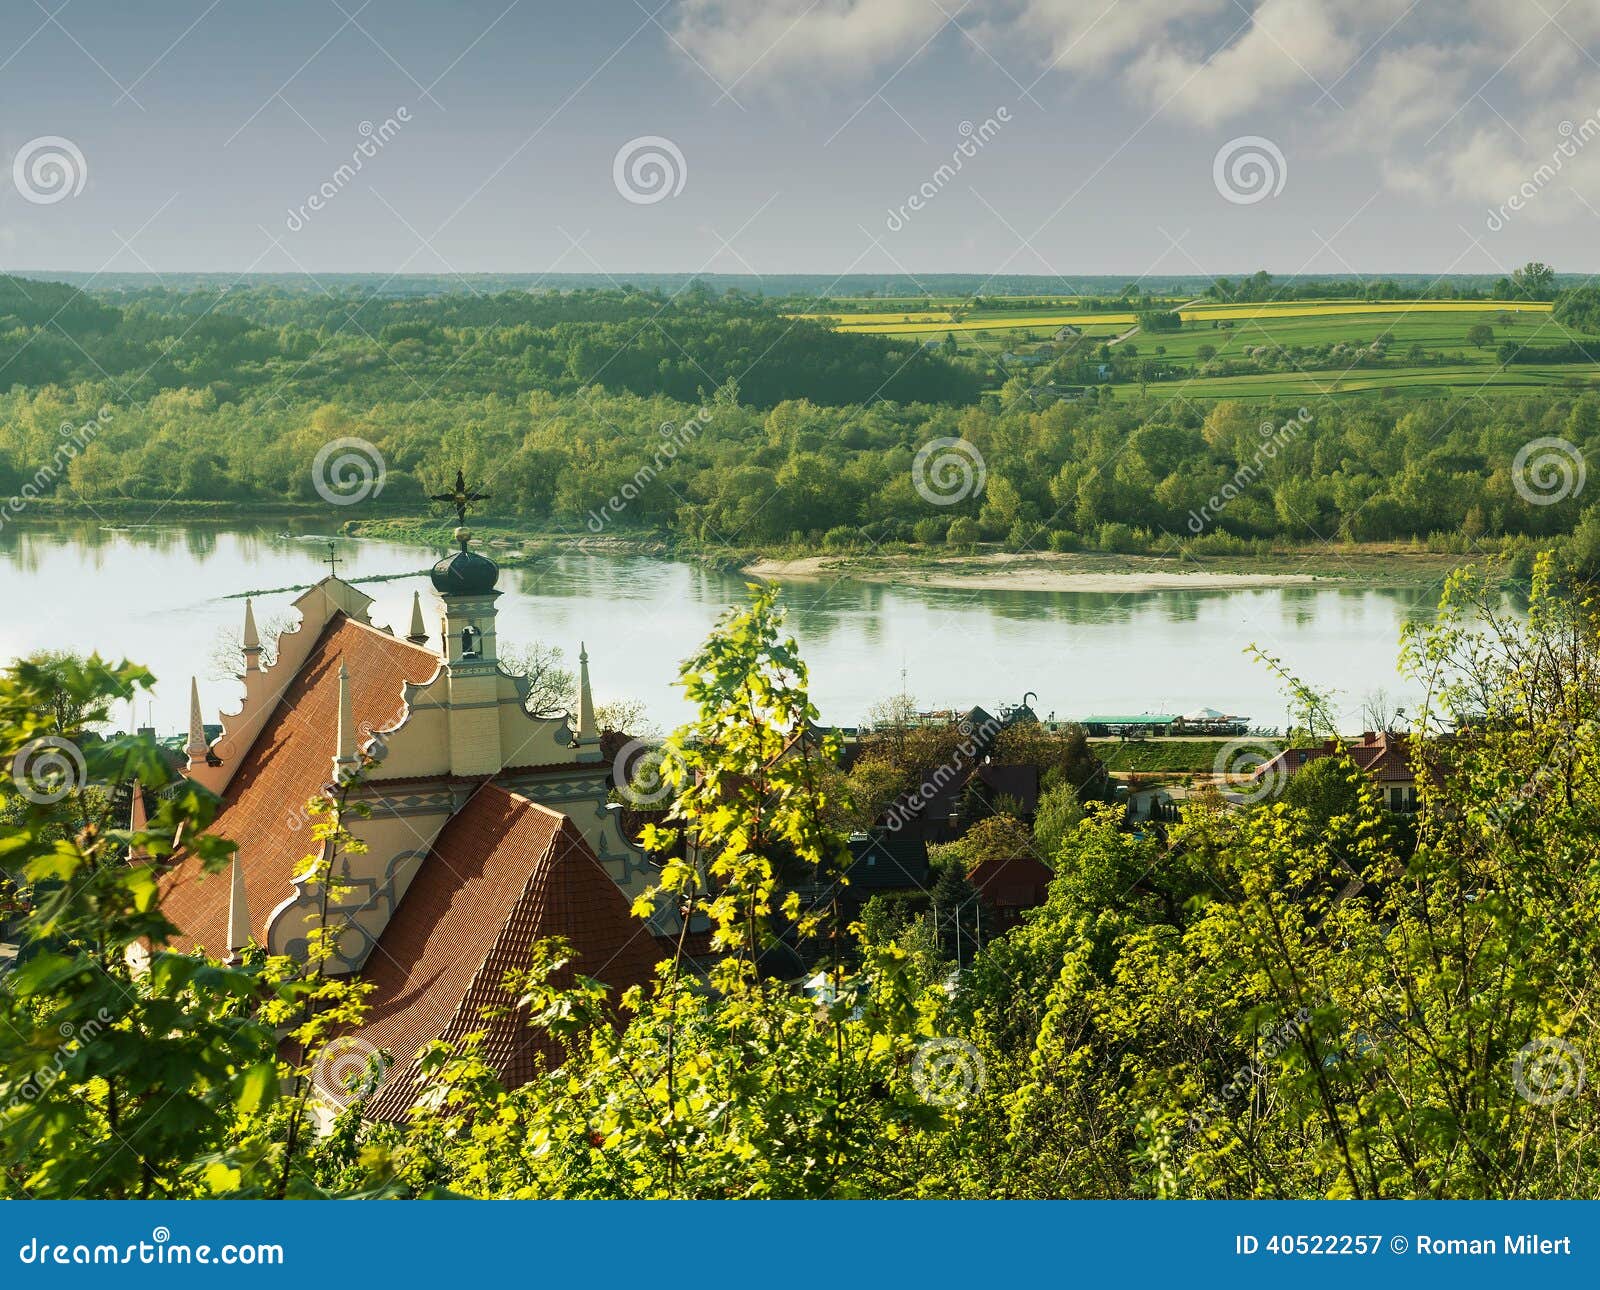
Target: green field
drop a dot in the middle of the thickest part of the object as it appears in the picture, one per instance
(1436, 332)
(1147, 755)
(1426, 351)
(1420, 381)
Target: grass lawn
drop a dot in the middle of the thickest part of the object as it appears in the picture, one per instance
(1158, 754)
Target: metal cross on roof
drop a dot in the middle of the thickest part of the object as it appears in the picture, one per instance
(333, 560)
(459, 496)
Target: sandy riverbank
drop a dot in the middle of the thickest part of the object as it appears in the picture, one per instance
(1003, 572)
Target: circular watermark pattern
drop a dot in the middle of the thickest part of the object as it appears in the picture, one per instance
(49, 169)
(636, 771)
(1547, 1070)
(1247, 757)
(347, 471)
(947, 1071)
(349, 1068)
(1548, 470)
(1249, 169)
(947, 471)
(46, 769)
(160, 1235)
(649, 169)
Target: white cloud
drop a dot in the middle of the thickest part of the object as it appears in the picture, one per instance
(1285, 47)
(829, 37)
(1456, 100)
(1415, 89)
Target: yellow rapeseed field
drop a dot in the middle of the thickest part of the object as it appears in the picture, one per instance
(1316, 308)
(1000, 323)
(911, 324)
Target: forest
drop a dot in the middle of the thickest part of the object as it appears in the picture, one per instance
(725, 426)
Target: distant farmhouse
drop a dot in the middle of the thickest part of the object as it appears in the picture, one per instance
(1383, 756)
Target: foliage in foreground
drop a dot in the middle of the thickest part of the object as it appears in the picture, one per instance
(1295, 1000)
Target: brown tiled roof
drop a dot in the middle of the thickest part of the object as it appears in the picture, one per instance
(289, 762)
(503, 873)
(1385, 757)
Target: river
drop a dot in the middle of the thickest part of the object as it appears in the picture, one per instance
(165, 597)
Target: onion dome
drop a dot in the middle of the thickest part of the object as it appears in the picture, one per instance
(464, 572)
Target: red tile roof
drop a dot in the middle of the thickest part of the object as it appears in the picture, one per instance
(503, 873)
(1385, 757)
(289, 762)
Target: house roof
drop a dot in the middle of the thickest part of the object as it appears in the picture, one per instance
(1019, 782)
(888, 859)
(287, 764)
(503, 873)
(1385, 757)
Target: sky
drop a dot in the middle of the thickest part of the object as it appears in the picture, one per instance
(1064, 137)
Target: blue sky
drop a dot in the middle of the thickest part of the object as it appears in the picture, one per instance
(1388, 131)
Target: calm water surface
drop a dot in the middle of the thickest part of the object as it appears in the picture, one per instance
(166, 597)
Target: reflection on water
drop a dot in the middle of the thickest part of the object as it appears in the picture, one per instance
(165, 595)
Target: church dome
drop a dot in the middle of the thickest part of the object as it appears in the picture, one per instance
(464, 572)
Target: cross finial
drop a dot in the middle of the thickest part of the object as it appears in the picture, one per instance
(333, 560)
(459, 496)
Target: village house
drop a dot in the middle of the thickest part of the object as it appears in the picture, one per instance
(1383, 755)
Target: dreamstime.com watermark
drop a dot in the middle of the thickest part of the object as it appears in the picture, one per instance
(373, 140)
(674, 439)
(947, 1072)
(376, 748)
(974, 740)
(42, 1081)
(1574, 138)
(1248, 757)
(1272, 1043)
(636, 771)
(948, 470)
(49, 169)
(1548, 470)
(74, 439)
(349, 1069)
(1249, 169)
(1547, 1070)
(973, 139)
(159, 1249)
(47, 769)
(1572, 741)
(1273, 440)
(348, 471)
(649, 169)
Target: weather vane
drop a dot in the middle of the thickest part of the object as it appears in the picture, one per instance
(333, 560)
(459, 497)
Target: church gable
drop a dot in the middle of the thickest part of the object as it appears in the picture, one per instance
(287, 763)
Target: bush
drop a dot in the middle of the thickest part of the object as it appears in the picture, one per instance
(1114, 536)
(963, 531)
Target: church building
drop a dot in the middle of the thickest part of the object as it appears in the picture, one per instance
(489, 826)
